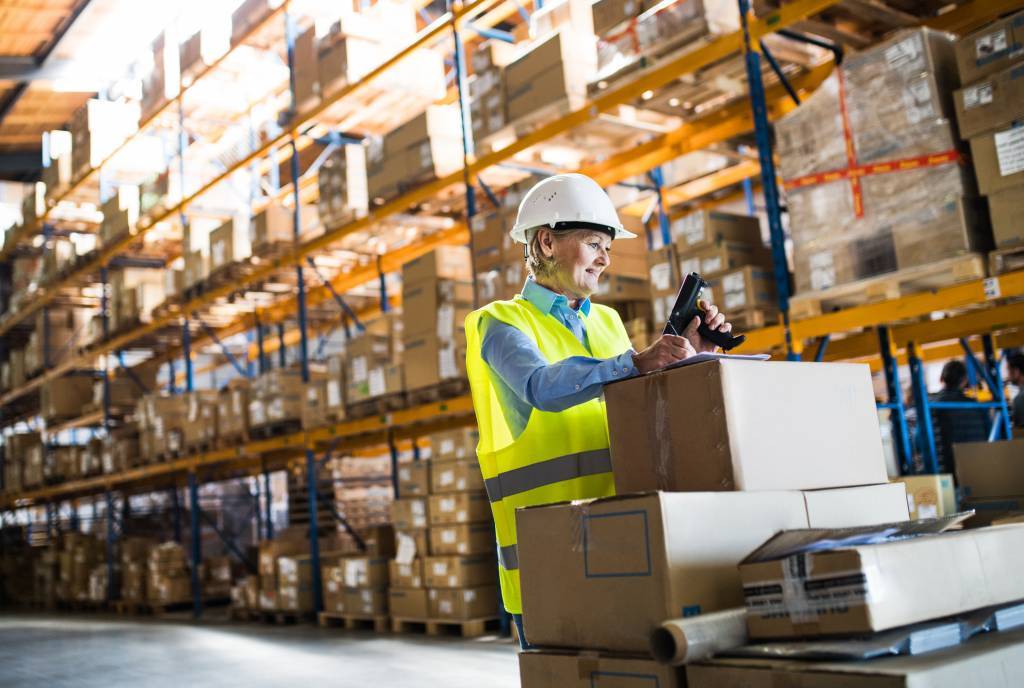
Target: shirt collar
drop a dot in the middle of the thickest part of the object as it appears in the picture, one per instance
(546, 300)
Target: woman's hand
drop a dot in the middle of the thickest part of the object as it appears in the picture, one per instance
(666, 349)
(714, 320)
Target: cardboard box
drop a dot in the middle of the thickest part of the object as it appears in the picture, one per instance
(454, 444)
(460, 507)
(863, 505)
(617, 288)
(447, 477)
(443, 263)
(408, 603)
(364, 572)
(460, 572)
(432, 360)
(929, 496)
(463, 604)
(406, 575)
(547, 669)
(273, 224)
(713, 260)
(409, 514)
(553, 71)
(707, 228)
(229, 243)
(305, 63)
(435, 307)
(342, 184)
(993, 103)
(1004, 210)
(871, 588)
(990, 48)
(990, 469)
(641, 559)
(607, 14)
(999, 160)
(664, 280)
(414, 479)
(366, 602)
(748, 287)
(745, 425)
(417, 542)
(380, 381)
(993, 660)
(463, 538)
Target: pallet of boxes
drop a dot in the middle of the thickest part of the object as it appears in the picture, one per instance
(989, 109)
(881, 196)
(710, 460)
(444, 575)
(374, 375)
(437, 295)
(285, 568)
(355, 587)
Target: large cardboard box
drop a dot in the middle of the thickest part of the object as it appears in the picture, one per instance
(641, 559)
(431, 360)
(461, 507)
(706, 228)
(870, 588)
(1004, 210)
(413, 543)
(999, 159)
(747, 287)
(547, 669)
(409, 514)
(990, 469)
(462, 538)
(444, 262)
(365, 602)
(406, 575)
(408, 603)
(929, 496)
(436, 307)
(364, 572)
(745, 425)
(447, 477)
(463, 603)
(990, 48)
(665, 282)
(460, 572)
(713, 260)
(992, 660)
(553, 71)
(454, 444)
(307, 81)
(414, 479)
(993, 103)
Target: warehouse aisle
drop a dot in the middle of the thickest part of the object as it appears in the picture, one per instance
(65, 650)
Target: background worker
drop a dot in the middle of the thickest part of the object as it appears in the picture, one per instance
(537, 364)
(1015, 367)
(959, 425)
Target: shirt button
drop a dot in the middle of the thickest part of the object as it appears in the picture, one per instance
(615, 372)
(625, 370)
(577, 388)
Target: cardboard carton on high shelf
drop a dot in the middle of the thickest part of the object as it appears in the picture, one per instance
(57, 175)
(607, 14)
(570, 15)
(990, 469)
(929, 496)
(409, 513)
(305, 64)
(712, 261)
(448, 477)
(645, 558)
(991, 48)
(704, 229)
(382, 380)
(406, 575)
(745, 425)
(744, 288)
(1003, 209)
(229, 243)
(415, 542)
(998, 160)
(233, 410)
(897, 105)
(551, 669)
(628, 257)
(200, 426)
(65, 399)
(443, 263)
(436, 307)
(617, 288)
(664, 282)
(408, 603)
(424, 148)
(462, 604)
(459, 572)
(462, 538)
(994, 660)
(365, 352)
(342, 183)
(992, 103)
(554, 71)
(247, 17)
(274, 224)
(966, 570)
(414, 479)
(433, 359)
(458, 444)
(460, 507)
(97, 129)
(492, 245)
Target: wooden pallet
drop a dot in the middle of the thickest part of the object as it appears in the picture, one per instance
(378, 406)
(470, 628)
(377, 623)
(1006, 260)
(277, 429)
(281, 617)
(889, 286)
(445, 390)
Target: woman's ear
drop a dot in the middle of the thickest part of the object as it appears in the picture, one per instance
(546, 241)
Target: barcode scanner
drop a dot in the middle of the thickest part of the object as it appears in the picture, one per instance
(686, 307)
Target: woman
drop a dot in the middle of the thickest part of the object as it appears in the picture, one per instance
(537, 364)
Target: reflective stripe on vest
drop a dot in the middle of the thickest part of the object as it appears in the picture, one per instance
(548, 472)
(558, 456)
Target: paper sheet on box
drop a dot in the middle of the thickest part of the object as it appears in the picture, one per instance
(701, 358)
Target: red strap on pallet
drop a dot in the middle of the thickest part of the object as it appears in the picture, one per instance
(854, 171)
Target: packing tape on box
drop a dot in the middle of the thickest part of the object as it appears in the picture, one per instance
(580, 516)
(661, 428)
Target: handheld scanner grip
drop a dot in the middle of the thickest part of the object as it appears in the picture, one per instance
(686, 307)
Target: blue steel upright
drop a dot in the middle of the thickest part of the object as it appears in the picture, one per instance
(769, 184)
(311, 464)
(197, 545)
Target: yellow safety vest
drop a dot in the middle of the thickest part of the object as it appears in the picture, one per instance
(559, 456)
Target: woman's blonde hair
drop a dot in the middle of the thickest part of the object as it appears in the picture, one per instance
(539, 265)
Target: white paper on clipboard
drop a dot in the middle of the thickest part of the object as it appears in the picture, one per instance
(701, 358)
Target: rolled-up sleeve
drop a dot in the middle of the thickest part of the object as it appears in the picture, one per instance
(543, 385)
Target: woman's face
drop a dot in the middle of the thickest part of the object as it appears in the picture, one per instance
(582, 256)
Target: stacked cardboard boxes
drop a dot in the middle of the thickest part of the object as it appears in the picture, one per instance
(160, 419)
(57, 175)
(647, 557)
(163, 81)
(552, 75)
(989, 111)
(487, 89)
(342, 182)
(929, 496)
(424, 148)
(97, 129)
(65, 399)
(80, 555)
(497, 262)
(233, 412)
(134, 293)
(230, 243)
(272, 225)
(168, 581)
(290, 543)
(134, 566)
(437, 295)
(372, 363)
(279, 396)
(876, 179)
(58, 334)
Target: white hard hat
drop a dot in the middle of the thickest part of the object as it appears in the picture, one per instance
(573, 200)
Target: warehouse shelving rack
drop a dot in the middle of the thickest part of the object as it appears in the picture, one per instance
(260, 456)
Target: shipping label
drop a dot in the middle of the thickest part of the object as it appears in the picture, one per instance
(1010, 151)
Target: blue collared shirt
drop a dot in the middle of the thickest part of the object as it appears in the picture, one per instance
(525, 380)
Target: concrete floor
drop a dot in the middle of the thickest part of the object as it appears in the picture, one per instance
(85, 651)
